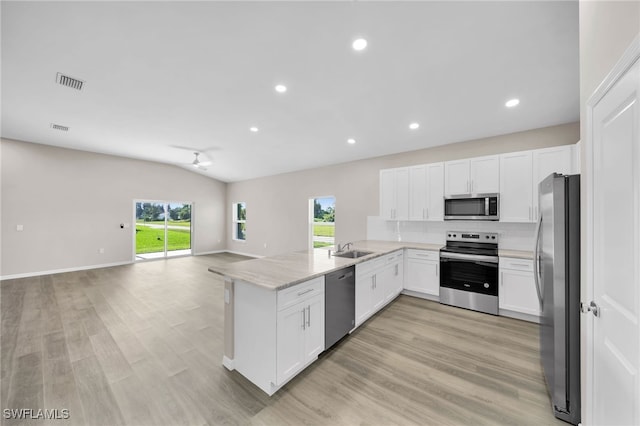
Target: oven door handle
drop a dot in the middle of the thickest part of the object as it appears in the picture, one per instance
(473, 257)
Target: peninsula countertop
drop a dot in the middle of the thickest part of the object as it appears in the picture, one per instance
(285, 270)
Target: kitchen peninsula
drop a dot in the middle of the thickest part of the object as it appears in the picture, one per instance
(265, 339)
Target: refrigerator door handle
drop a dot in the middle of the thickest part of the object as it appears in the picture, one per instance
(536, 262)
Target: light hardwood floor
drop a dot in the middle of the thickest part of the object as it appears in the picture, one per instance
(142, 344)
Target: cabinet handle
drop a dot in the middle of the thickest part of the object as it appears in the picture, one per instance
(535, 213)
(375, 281)
(396, 273)
(520, 264)
(303, 318)
(471, 185)
(305, 292)
(308, 315)
(427, 213)
(529, 212)
(437, 269)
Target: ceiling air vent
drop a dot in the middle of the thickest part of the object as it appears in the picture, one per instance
(65, 80)
(59, 127)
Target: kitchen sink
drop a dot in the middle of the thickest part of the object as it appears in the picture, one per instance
(353, 254)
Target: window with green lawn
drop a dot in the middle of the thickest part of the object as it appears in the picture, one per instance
(240, 221)
(322, 221)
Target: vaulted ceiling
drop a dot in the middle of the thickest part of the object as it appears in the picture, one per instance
(162, 80)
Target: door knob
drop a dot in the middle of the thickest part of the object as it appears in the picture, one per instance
(591, 307)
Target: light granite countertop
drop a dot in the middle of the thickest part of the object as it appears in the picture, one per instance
(286, 270)
(518, 254)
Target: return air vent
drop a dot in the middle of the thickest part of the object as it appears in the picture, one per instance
(65, 80)
(59, 127)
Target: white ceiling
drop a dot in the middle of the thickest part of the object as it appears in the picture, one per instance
(164, 79)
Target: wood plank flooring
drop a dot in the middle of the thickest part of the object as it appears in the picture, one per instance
(142, 344)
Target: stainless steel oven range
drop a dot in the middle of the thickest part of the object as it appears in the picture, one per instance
(469, 271)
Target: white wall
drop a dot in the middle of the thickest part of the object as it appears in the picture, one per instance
(277, 206)
(71, 203)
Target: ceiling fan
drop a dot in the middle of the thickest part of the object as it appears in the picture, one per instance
(199, 164)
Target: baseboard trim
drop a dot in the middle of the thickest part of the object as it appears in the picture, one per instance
(244, 254)
(209, 252)
(61, 271)
(421, 295)
(519, 315)
(229, 364)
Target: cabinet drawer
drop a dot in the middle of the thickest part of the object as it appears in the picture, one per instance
(369, 266)
(516, 264)
(393, 257)
(292, 295)
(423, 254)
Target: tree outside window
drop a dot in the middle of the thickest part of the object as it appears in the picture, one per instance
(240, 221)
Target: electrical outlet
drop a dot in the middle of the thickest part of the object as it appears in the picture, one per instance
(101, 250)
(265, 245)
(19, 228)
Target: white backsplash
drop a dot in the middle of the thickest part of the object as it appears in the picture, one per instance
(513, 236)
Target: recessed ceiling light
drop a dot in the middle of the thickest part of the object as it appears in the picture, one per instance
(512, 102)
(414, 126)
(351, 141)
(281, 88)
(359, 44)
(253, 129)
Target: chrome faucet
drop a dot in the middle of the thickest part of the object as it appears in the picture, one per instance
(344, 247)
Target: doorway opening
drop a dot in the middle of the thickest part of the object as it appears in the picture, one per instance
(322, 221)
(163, 229)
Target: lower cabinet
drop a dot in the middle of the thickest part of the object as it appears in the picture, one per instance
(517, 295)
(294, 316)
(378, 281)
(423, 272)
(300, 336)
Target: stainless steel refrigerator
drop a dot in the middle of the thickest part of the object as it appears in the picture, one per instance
(557, 277)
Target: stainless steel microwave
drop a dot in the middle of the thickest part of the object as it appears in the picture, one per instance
(472, 207)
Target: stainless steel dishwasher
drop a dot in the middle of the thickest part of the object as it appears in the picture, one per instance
(339, 305)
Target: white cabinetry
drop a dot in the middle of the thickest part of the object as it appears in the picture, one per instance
(378, 281)
(422, 274)
(472, 176)
(426, 192)
(418, 192)
(520, 174)
(546, 161)
(294, 316)
(517, 296)
(516, 187)
(394, 194)
(435, 191)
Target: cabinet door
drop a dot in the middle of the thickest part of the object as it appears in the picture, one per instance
(518, 292)
(418, 193)
(290, 341)
(380, 290)
(364, 297)
(423, 276)
(314, 328)
(395, 284)
(435, 191)
(387, 193)
(485, 175)
(516, 187)
(456, 177)
(402, 194)
(545, 162)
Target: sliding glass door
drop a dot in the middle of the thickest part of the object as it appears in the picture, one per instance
(163, 229)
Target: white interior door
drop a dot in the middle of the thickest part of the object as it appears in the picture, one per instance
(613, 381)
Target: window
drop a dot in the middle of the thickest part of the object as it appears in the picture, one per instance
(322, 216)
(240, 221)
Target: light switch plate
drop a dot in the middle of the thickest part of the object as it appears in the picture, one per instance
(19, 227)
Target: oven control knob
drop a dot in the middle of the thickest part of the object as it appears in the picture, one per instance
(486, 285)
(493, 237)
(487, 237)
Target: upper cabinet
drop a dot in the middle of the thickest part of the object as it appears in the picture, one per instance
(479, 175)
(516, 187)
(520, 174)
(426, 192)
(435, 191)
(394, 194)
(558, 159)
